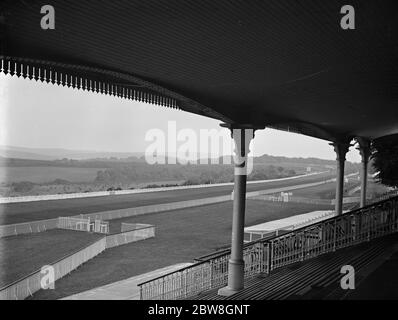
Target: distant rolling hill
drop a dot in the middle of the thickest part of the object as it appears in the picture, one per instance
(58, 153)
(35, 171)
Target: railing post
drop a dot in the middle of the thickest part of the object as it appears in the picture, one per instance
(369, 225)
(270, 257)
(202, 269)
(335, 234)
(163, 289)
(211, 273)
(354, 227)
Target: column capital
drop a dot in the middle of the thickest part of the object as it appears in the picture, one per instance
(341, 148)
(242, 139)
(364, 147)
(242, 134)
(247, 129)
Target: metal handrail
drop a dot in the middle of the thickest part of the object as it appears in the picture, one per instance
(264, 255)
(387, 195)
(147, 226)
(226, 251)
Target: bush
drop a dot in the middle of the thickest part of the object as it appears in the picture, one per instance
(385, 159)
(23, 186)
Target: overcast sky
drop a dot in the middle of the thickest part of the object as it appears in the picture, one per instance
(33, 114)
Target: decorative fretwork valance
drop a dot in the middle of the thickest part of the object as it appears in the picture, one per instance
(87, 78)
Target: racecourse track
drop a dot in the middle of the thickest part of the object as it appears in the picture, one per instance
(39, 210)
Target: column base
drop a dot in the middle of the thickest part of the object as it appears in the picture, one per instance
(227, 291)
(235, 278)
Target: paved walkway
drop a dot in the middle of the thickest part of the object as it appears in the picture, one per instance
(125, 289)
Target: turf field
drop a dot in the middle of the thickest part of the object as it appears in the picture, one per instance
(181, 235)
(24, 254)
(324, 191)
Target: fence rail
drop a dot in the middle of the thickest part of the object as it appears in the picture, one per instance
(26, 286)
(77, 224)
(132, 226)
(265, 255)
(83, 224)
(43, 225)
(138, 191)
(140, 233)
(28, 227)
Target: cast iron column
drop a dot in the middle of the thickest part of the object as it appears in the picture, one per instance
(364, 150)
(242, 137)
(341, 150)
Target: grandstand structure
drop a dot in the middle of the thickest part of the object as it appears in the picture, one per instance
(252, 65)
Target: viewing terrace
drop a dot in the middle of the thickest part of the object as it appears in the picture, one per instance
(252, 65)
(275, 267)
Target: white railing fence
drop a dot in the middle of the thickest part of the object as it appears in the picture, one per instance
(43, 225)
(132, 226)
(137, 191)
(28, 227)
(71, 223)
(25, 287)
(83, 224)
(137, 234)
(77, 224)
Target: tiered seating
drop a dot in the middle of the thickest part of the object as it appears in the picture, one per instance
(318, 278)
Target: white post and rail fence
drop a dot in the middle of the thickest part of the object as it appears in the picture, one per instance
(44, 225)
(28, 285)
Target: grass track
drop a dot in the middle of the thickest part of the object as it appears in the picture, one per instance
(325, 191)
(40, 210)
(24, 254)
(181, 235)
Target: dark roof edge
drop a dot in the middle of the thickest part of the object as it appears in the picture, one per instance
(103, 81)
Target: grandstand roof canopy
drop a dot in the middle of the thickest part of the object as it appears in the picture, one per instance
(284, 64)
